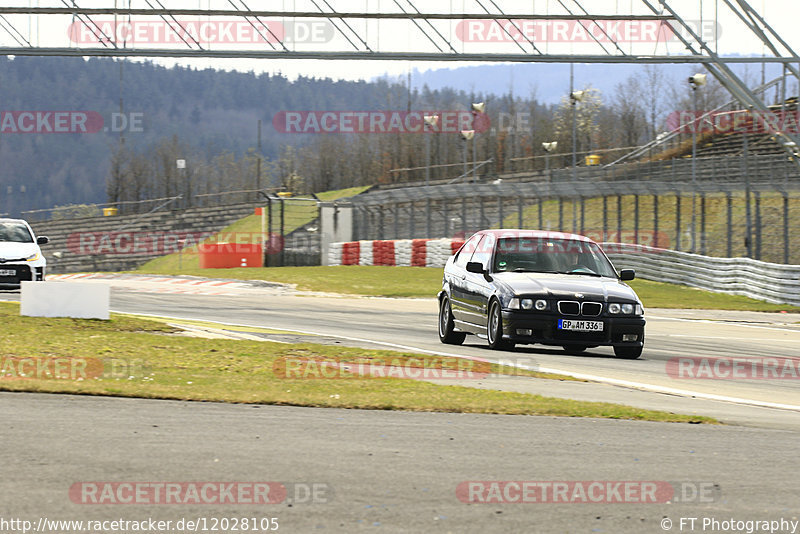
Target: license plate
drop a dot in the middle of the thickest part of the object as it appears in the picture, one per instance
(8, 272)
(580, 326)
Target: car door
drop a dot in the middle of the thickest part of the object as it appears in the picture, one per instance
(456, 277)
(477, 288)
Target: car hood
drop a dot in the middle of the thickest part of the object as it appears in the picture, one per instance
(565, 286)
(16, 251)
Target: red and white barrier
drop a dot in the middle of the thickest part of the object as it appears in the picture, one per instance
(400, 252)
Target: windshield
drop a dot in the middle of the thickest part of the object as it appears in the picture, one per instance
(546, 255)
(15, 233)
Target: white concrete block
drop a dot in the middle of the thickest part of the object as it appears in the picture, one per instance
(81, 300)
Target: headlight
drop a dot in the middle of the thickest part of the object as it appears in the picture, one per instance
(33, 257)
(627, 309)
(639, 309)
(613, 308)
(527, 304)
(513, 304)
(541, 305)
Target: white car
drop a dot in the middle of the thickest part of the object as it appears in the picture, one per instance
(20, 255)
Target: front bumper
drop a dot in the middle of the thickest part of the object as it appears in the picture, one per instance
(544, 330)
(22, 272)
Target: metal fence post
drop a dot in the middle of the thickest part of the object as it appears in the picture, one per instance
(636, 218)
(730, 224)
(396, 221)
(619, 218)
(541, 214)
(283, 230)
(480, 201)
(560, 214)
(655, 221)
(428, 217)
(785, 227)
(411, 221)
(758, 224)
(500, 211)
(677, 220)
(269, 231)
(583, 214)
(464, 215)
(519, 212)
(446, 214)
(381, 221)
(702, 223)
(605, 218)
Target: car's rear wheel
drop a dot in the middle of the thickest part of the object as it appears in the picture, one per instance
(494, 328)
(574, 349)
(447, 333)
(628, 353)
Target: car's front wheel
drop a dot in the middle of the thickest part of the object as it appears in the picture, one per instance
(628, 353)
(447, 333)
(494, 328)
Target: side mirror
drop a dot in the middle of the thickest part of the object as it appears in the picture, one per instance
(42, 240)
(475, 267)
(627, 274)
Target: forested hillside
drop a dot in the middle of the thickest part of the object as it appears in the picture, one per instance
(210, 118)
(209, 111)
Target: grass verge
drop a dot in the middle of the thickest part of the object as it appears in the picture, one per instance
(133, 357)
(425, 282)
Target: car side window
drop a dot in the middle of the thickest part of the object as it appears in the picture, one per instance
(466, 251)
(483, 253)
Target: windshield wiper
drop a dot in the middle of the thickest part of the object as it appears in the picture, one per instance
(582, 273)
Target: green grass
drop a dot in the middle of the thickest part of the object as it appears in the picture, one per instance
(296, 215)
(425, 282)
(146, 359)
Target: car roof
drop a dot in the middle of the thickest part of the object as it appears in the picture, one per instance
(512, 232)
(4, 220)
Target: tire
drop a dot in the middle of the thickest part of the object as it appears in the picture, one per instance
(494, 328)
(447, 333)
(574, 349)
(628, 353)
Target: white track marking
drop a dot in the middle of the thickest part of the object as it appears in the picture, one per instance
(593, 378)
(720, 323)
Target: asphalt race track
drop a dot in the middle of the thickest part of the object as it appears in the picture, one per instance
(398, 472)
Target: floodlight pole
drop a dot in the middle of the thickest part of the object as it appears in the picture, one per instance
(474, 159)
(574, 103)
(694, 165)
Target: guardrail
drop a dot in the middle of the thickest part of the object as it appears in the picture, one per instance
(770, 282)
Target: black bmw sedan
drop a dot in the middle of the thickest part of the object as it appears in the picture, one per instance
(526, 286)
